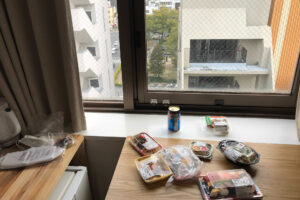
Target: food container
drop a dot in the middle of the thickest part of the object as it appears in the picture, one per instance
(238, 152)
(215, 124)
(183, 162)
(203, 150)
(229, 184)
(144, 144)
(153, 168)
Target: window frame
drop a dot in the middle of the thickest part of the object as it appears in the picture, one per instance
(202, 98)
(132, 43)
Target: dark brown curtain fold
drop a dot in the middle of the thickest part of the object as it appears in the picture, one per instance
(39, 71)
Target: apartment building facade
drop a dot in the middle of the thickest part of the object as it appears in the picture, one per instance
(225, 45)
(93, 45)
(157, 4)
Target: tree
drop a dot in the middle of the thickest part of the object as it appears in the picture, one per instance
(161, 22)
(157, 67)
(171, 44)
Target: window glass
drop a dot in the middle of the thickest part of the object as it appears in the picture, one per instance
(96, 33)
(242, 46)
(92, 50)
(89, 14)
(94, 82)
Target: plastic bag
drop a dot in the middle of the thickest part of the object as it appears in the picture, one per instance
(183, 162)
(47, 130)
(30, 156)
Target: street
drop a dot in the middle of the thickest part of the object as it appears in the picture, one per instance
(114, 35)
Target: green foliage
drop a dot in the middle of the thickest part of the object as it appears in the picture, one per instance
(161, 22)
(116, 74)
(152, 79)
(164, 22)
(157, 66)
(171, 44)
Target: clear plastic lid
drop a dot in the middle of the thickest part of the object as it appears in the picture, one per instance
(229, 183)
(215, 124)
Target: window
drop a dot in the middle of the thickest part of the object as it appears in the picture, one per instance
(94, 82)
(244, 53)
(195, 53)
(94, 38)
(89, 14)
(92, 50)
(217, 51)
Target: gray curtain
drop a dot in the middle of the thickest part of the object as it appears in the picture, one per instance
(38, 65)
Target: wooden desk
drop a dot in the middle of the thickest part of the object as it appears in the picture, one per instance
(36, 182)
(277, 174)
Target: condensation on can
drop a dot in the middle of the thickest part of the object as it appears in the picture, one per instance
(174, 118)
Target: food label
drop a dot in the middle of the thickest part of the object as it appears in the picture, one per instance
(146, 172)
(232, 154)
(150, 144)
(240, 146)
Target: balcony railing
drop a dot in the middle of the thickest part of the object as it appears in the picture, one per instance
(87, 62)
(83, 28)
(218, 56)
(82, 2)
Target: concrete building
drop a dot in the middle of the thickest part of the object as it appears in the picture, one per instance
(93, 46)
(156, 4)
(225, 45)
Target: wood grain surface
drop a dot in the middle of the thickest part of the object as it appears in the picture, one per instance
(36, 182)
(277, 174)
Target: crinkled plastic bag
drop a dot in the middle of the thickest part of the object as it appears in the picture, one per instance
(30, 157)
(47, 130)
(183, 162)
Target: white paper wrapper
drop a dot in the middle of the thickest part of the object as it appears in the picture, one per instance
(30, 156)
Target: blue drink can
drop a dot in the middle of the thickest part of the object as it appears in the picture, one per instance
(174, 118)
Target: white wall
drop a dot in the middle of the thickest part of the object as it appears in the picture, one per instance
(257, 10)
(244, 20)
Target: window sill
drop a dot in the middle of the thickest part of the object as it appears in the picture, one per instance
(259, 130)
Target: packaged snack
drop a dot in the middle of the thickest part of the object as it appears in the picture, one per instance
(153, 168)
(238, 152)
(202, 150)
(229, 184)
(183, 162)
(217, 124)
(144, 144)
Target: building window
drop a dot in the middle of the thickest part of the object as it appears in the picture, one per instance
(94, 82)
(212, 82)
(92, 50)
(89, 14)
(217, 51)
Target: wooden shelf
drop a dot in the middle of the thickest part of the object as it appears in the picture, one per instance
(36, 182)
